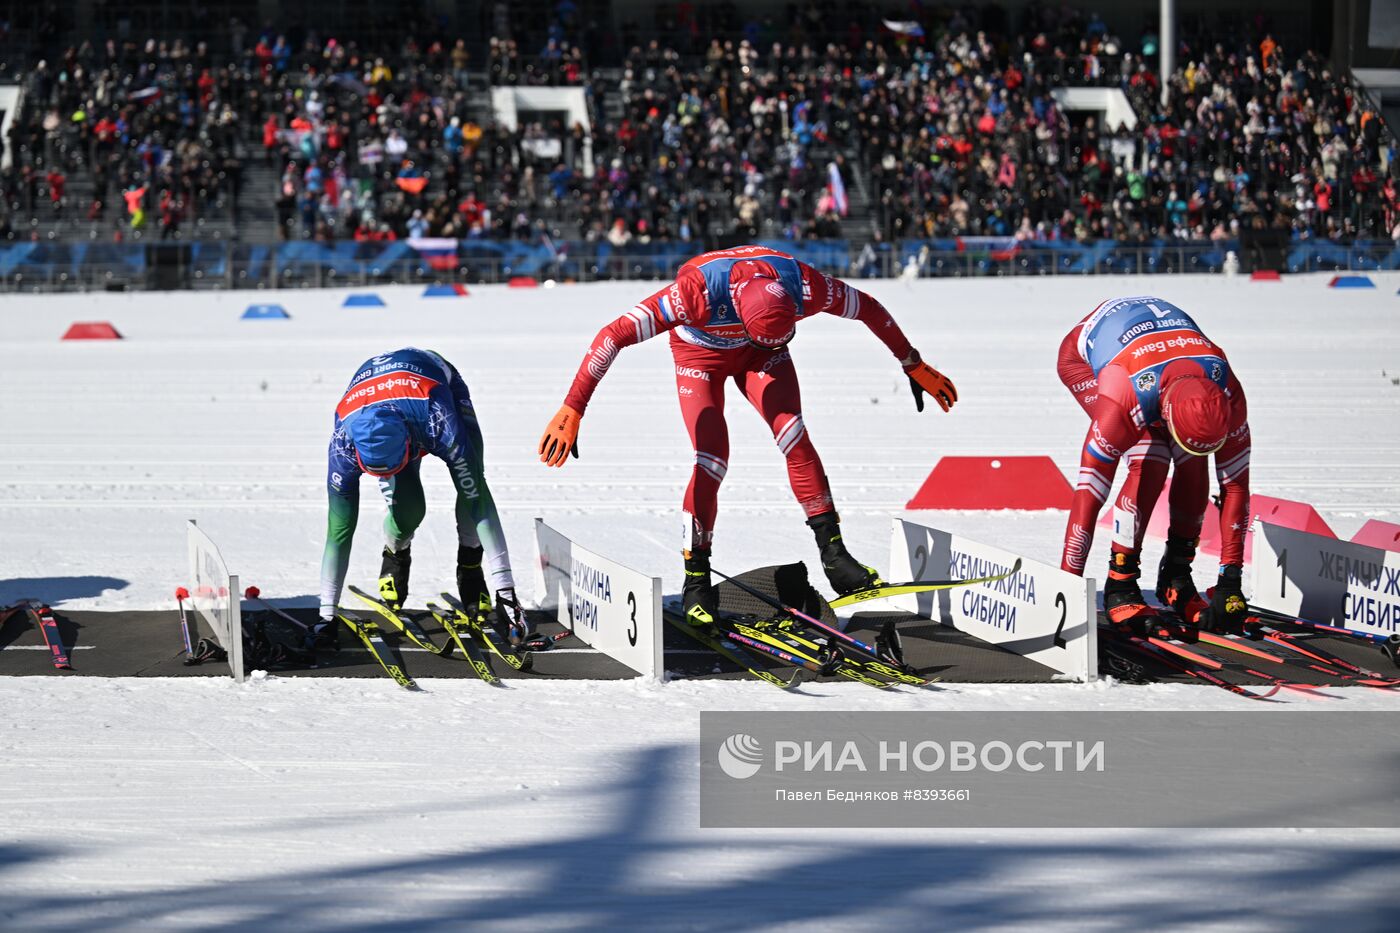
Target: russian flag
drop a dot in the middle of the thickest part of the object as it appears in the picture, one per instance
(907, 27)
(440, 252)
(837, 187)
(144, 96)
(997, 248)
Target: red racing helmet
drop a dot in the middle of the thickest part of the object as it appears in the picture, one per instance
(767, 311)
(1197, 413)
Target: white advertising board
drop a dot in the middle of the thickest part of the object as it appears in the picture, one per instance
(1041, 611)
(611, 607)
(214, 596)
(1325, 580)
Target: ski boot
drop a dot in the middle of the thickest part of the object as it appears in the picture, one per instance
(1391, 649)
(471, 582)
(1175, 588)
(393, 576)
(322, 638)
(843, 572)
(1122, 598)
(700, 602)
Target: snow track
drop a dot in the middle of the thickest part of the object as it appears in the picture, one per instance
(333, 804)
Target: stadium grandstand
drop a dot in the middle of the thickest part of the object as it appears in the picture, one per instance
(228, 144)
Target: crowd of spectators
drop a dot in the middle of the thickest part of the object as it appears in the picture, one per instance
(862, 135)
(963, 136)
(155, 134)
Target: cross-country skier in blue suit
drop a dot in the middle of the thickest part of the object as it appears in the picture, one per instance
(398, 408)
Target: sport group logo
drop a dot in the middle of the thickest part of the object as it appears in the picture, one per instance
(740, 756)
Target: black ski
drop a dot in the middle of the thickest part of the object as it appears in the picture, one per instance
(838, 663)
(1318, 658)
(48, 627)
(1168, 658)
(402, 621)
(735, 653)
(1299, 657)
(814, 657)
(520, 657)
(815, 623)
(368, 633)
(471, 649)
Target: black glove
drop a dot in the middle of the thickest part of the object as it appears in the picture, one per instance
(1227, 610)
(510, 619)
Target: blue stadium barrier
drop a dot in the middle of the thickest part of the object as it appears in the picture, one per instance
(208, 259)
(445, 291)
(513, 257)
(1004, 255)
(316, 263)
(1352, 281)
(824, 254)
(1326, 256)
(363, 300)
(43, 259)
(661, 260)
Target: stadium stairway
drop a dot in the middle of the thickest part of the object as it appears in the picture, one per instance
(257, 206)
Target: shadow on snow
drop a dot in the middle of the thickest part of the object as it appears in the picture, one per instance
(637, 871)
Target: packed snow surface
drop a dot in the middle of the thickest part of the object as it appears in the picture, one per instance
(338, 804)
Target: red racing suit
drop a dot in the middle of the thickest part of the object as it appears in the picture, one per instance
(710, 347)
(1122, 398)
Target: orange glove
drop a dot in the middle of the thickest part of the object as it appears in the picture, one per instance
(924, 378)
(560, 437)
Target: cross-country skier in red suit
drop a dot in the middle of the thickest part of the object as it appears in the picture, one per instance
(1158, 392)
(731, 314)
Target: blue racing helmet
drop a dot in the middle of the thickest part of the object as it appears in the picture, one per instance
(381, 439)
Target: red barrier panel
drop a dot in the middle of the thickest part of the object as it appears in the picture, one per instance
(91, 330)
(1379, 534)
(523, 281)
(1290, 514)
(994, 483)
(1264, 275)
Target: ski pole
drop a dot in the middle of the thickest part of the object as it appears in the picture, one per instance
(182, 594)
(797, 614)
(253, 594)
(888, 590)
(1323, 627)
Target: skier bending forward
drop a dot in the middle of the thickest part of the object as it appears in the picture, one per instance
(731, 314)
(398, 408)
(1157, 391)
